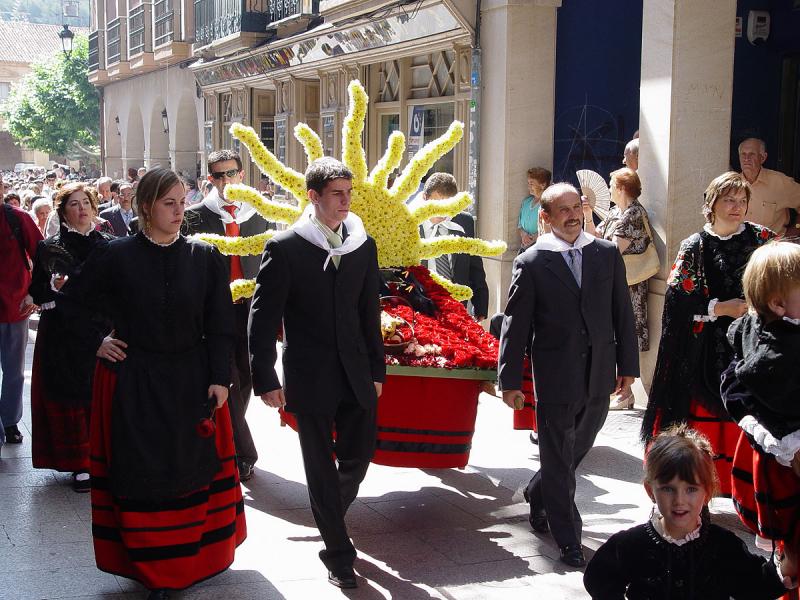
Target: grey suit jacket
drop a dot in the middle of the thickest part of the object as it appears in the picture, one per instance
(568, 323)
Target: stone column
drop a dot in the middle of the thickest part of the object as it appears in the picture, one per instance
(518, 71)
(684, 121)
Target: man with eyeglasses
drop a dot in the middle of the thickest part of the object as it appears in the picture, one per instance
(217, 215)
(121, 214)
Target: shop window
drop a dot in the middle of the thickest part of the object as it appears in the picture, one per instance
(437, 119)
(267, 135)
(329, 135)
(389, 124)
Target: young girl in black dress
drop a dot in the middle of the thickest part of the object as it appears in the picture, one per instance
(679, 553)
(760, 390)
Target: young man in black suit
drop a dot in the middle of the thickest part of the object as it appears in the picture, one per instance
(319, 280)
(569, 301)
(216, 215)
(464, 269)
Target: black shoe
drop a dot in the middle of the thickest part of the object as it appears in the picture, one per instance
(245, 471)
(343, 577)
(81, 485)
(534, 437)
(538, 516)
(158, 595)
(13, 435)
(572, 555)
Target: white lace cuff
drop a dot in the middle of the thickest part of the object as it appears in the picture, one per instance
(783, 449)
(711, 304)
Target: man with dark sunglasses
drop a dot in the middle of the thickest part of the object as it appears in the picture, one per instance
(217, 215)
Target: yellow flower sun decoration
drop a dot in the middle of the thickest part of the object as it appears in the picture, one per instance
(383, 210)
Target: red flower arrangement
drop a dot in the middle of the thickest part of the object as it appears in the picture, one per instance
(464, 343)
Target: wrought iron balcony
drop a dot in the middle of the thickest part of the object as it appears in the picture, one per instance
(216, 19)
(136, 30)
(94, 51)
(114, 41)
(164, 21)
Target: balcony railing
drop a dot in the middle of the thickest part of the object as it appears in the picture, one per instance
(164, 21)
(281, 9)
(136, 21)
(216, 19)
(114, 42)
(94, 52)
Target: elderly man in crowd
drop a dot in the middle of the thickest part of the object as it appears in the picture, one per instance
(121, 214)
(772, 193)
(631, 153)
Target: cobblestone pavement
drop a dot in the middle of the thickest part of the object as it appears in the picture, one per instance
(421, 534)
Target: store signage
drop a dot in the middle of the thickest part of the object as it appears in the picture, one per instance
(416, 129)
(399, 28)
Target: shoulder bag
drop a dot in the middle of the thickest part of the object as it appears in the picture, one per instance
(640, 267)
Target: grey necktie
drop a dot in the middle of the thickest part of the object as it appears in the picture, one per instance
(443, 267)
(574, 263)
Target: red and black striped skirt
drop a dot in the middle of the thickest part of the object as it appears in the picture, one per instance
(60, 433)
(525, 418)
(766, 494)
(170, 544)
(723, 435)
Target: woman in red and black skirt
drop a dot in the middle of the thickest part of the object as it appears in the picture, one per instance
(67, 340)
(704, 295)
(167, 507)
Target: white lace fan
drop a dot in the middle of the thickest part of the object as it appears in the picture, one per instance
(595, 188)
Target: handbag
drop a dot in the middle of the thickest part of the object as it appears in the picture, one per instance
(640, 267)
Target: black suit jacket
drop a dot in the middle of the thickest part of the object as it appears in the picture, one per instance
(114, 216)
(200, 219)
(331, 324)
(468, 269)
(594, 321)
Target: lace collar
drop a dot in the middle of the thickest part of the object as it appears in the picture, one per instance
(160, 244)
(658, 524)
(708, 230)
(71, 229)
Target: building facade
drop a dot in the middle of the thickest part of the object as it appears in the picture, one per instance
(561, 84)
(22, 44)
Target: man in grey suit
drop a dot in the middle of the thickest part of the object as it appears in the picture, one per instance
(569, 299)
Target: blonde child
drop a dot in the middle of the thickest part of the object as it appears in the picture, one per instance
(679, 553)
(761, 391)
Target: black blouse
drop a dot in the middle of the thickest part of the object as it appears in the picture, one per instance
(172, 306)
(692, 353)
(638, 564)
(68, 335)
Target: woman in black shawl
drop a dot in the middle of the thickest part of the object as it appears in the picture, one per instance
(67, 340)
(704, 295)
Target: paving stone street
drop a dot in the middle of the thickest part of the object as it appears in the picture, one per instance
(421, 534)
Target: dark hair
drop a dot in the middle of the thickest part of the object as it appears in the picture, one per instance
(323, 170)
(541, 175)
(66, 190)
(152, 186)
(223, 155)
(729, 182)
(12, 195)
(441, 183)
(681, 452)
(114, 189)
